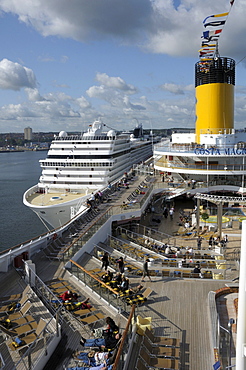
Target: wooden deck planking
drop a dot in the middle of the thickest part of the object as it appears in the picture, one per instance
(179, 306)
(184, 304)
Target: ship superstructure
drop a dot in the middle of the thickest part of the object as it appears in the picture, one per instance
(215, 154)
(77, 165)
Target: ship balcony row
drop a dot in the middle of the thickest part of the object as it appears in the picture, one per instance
(83, 140)
(66, 179)
(180, 165)
(75, 173)
(191, 149)
(48, 164)
(71, 183)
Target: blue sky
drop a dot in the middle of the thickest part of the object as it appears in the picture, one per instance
(64, 64)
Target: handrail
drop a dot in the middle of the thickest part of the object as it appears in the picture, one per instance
(94, 277)
(75, 240)
(50, 232)
(117, 358)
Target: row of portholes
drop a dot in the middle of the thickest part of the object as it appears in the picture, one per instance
(92, 169)
(87, 143)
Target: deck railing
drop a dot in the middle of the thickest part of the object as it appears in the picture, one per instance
(103, 290)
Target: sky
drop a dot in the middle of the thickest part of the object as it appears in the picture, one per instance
(66, 63)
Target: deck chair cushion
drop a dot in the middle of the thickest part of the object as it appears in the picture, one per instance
(17, 342)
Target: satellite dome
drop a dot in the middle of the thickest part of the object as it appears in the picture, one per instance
(111, 133)
(62, 134)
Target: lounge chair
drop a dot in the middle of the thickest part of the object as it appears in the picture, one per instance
(23, 329)
(29, 338)
(22, 321)
(23, 310)
(162, 341)
(141, 365)
(14, 305)
(147, 292)
(10, 298)
(160, 351)
(92, 318)
(163, 363)
(83, 312)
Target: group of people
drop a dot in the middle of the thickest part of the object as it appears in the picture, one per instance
(70, 301)
(94, 199)
(169, 212)
(119, 262)
(165, 249)
(106, 340)
(120, 283)
(216, 241)
(117, 281)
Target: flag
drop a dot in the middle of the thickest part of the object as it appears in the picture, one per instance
(216, 15)
(206, 54)
(213, 38)
(206, 43)
(208, 34)
(215, 23)
(206, 49)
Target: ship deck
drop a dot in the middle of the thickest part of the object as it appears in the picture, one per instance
(178, 305)
(53, 198)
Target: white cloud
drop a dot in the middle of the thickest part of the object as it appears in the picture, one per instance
(14, 76)
(131, 106)
(12, 111)
(157, 25)
(99, 92)
(33, 94)
(83, 103)
(115, 83)
(173, 88)
(177, 89)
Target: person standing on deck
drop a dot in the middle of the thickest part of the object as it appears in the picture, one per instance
(165, 212)
(199, 242)
(121, 265)
(146, 270)
(105, 261)
(171, 213)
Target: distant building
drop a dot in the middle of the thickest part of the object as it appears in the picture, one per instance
(28, 133)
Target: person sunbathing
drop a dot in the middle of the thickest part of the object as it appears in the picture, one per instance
(72, 306)
(109, 342)
(94, 358)
(66, 296)
(100, 367)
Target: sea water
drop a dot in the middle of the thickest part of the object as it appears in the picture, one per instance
(18, 172)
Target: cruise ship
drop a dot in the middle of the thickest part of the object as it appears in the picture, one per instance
(213, 155)
(79, 165)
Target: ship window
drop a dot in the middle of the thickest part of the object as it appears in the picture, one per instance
(96, 148)
(56, 169)
(62, 148)
(90, 183)
(92, 169)
(42, 212)
(90, 176)
(198, 163)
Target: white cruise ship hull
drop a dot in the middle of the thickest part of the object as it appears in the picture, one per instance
(77, 166)
(60, 211)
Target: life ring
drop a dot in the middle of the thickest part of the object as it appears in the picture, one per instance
(54, 236)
